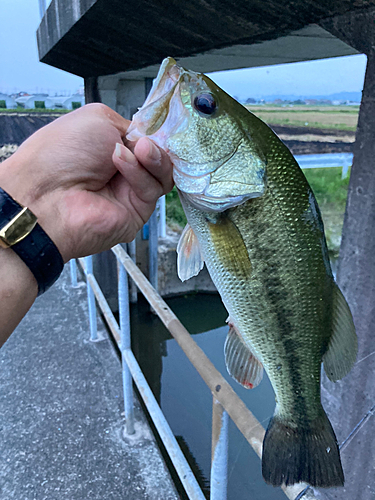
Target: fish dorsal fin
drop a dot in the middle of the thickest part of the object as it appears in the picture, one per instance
(343, 345)
(189, 257)
(241, 363)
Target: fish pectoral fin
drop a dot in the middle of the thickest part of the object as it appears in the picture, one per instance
(241, 363)
(189, 257)
(343, 345)
(230, 248)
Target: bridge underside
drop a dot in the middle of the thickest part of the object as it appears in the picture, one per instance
(95, 38)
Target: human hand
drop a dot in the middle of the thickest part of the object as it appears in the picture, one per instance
(86, 196)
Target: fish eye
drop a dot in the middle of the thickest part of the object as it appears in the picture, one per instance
(205, 104)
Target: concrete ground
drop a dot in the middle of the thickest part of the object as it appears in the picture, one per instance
(61, 412)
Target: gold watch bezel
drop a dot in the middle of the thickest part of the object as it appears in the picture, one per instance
(18, 228)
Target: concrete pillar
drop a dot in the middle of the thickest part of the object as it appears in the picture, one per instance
(349, 400)
(124, 96)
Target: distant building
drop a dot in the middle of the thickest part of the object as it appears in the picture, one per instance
(34, 101)
(72, 102)
(8, 101)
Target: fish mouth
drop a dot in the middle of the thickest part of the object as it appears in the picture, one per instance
(155, 111)
(163, 114)
(167, 77)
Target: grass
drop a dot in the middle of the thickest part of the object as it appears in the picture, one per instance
(330, 190)
(176, 218)
(331, 193)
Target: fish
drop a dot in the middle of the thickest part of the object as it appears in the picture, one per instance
(253, 220)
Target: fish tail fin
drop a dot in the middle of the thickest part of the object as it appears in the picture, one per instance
(307, 453)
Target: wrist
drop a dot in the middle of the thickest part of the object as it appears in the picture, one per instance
(21, 233)
(43, 205)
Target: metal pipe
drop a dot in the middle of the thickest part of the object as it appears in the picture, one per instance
(132, 249)
(219, 454)
(174, 451)
(73, 272)
(153, 250)
(103, 304)
(123, 294)
(162, 223)
(91, 301)
(239, 413)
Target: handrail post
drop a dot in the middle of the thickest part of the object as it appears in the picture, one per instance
(162, 214)
(219, 458)
(153, 250)
(132, 250)
(73, 272)
(123, 294)
(91, 301)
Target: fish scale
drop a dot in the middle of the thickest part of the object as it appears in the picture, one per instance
(253, 219)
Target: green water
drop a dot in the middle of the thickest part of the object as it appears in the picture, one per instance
(185, 399)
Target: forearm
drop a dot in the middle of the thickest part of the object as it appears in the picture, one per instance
(18, 290)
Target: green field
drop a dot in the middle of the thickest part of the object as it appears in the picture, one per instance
(35, 110)
(325, 117)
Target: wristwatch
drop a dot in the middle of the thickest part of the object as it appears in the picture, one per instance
(20, 231)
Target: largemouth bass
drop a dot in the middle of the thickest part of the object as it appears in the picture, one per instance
(254, 221)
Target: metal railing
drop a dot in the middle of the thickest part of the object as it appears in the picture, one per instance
(226, 403)
(327, 160)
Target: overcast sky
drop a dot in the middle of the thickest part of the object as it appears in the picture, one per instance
(20, 68)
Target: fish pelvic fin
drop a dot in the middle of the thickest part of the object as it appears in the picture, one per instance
(343, 345)
(308, 453)
(189, 257)
(241, 363)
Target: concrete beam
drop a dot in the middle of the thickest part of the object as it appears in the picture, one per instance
(95, 37)
(355, 29)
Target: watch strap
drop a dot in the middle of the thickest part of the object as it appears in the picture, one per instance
(37, 250)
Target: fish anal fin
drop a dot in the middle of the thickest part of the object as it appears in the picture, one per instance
(343, 345)
(189, 257)
(241, 363)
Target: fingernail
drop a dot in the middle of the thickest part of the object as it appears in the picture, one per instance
(153, 152)
(118, 150)
(124, 153)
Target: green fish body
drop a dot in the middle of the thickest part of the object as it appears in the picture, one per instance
(254, 221)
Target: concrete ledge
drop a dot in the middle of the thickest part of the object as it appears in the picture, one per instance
(61, 412)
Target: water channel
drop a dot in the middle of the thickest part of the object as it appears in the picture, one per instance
(185, 399)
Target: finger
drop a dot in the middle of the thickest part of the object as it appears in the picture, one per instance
(118, 121)
(146, 187)
(156, 161)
